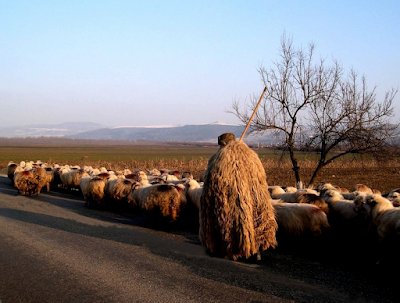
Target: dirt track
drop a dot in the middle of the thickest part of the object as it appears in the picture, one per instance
(54, 249)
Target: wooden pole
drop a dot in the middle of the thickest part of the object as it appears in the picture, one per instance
(254, 112)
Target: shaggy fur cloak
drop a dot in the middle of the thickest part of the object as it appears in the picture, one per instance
(236, 216)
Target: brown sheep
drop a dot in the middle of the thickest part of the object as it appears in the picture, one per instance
(117, 192)
(362, 188)
(159, 201)
(42, 179)
(25, 181)
(72, 178)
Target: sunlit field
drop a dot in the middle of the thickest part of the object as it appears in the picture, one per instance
(345, 172)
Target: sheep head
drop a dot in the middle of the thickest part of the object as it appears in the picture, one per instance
(332, 195)
(376, 203)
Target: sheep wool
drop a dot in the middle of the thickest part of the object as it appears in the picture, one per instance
(237, 219)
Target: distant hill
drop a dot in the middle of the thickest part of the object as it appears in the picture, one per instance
(93, 131)
(186, 133)
(49, 130)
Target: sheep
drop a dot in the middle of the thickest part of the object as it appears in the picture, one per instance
(187, 175)
(85, 189)
(384, 216)
(71, 179)
(50, 177)
(169, 177)
(275, 190)
(57, 172)
(132, 176)
(158, 180)
(92, 189)
(42, 179)
(348, 227)
(340, 209)
(386, 219)
(160, 201)
(193, 192)
(352, 195)
(395, 199)
(25, 181)
(279, 193)
(362, 188)
(175, 173)
(311, 198)
(154, 172)
(327, 186)
(142, 179)
(390, 195)
(11, 166)
(308, 196)
(295, 220)
(290, 189)
(117, 192)
(126, 171)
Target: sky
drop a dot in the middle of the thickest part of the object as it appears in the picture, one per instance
(141, 63)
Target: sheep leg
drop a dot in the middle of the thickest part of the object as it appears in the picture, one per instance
(258, 255)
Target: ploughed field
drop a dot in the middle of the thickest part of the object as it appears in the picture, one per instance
(345, 172)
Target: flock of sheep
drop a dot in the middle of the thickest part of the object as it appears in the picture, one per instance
(361, 217)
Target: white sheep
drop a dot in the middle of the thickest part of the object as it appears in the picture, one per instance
(193, 192)
(142, 179)
(93, 190)
(347, 224)
(169, 177)
(295, 219)
(384, 216)
(278, 192)
(339, 208)
(386, 220)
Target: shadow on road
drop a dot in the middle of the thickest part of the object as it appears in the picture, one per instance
(281, 273)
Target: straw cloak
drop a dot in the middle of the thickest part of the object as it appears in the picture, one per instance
(237, 219)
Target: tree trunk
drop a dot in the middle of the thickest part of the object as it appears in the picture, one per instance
(320, 165)
(295, 168)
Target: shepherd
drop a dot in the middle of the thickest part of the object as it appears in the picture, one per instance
(237, 219)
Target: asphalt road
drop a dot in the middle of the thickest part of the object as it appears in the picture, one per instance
(54, 249)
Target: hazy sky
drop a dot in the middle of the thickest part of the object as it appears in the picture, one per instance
(174, 62)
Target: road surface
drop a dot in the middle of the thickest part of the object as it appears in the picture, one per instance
(55, 249)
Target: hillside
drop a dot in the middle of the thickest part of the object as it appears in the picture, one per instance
(186, 133)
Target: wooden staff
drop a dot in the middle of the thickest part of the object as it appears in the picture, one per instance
(254, 112)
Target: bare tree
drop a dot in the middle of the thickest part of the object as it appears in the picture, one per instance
(315, 106)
